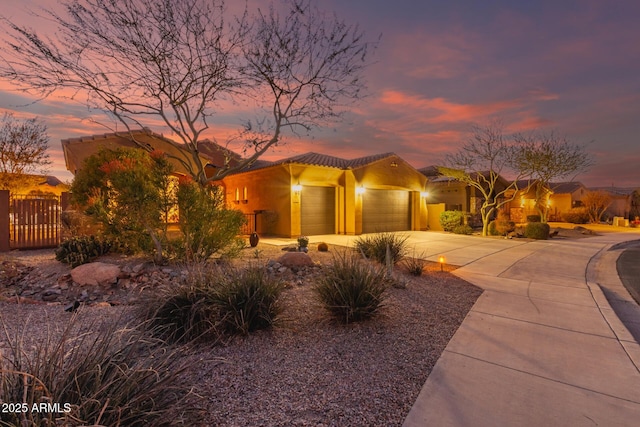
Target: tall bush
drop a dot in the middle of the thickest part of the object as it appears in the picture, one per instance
(126, 190)
(451, 219)
(207, 226)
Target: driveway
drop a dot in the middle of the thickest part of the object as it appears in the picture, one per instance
(542, 345)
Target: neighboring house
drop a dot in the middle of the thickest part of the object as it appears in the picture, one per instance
(34, 185)
(456, 195)
(621, 199)
(312, 194)
(565, 196)
(524, 202)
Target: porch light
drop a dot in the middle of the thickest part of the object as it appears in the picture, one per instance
(424, 194)
(360, 190)
(296, 188)
(441, 260)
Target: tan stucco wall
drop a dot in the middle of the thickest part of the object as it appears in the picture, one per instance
(271, 189)
(275, 197)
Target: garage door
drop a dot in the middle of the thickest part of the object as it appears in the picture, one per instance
(385, 210)
(318, 210)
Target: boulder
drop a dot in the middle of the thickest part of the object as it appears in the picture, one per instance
(295, 260)
(95, 273)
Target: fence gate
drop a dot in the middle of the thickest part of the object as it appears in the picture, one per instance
(34, 222)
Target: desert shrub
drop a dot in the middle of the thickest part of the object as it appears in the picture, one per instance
(207, 226)
(214, 302)
(462, 229)
(247, 300)
(415, 264)
(450, 219)
(185, 313)
(107, 377)
(375, 246)
(501, 226)
(127, 191)
(533, 218)
(576, 216)
(323, 247)
(351, 289)
(537, 230)
(81, 250)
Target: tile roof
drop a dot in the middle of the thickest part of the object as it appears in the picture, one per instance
(565, 187)
(317, 159)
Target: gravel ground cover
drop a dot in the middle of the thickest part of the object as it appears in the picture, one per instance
(307, 371)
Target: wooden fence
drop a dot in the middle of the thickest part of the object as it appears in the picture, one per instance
(30, 222)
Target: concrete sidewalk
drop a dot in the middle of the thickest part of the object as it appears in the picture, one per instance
(542, 345)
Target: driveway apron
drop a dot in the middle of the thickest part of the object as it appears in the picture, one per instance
(541, 346)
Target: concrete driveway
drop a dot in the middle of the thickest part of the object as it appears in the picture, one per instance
(542, 345)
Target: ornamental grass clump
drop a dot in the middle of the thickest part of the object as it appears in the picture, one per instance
(108, 376)
(415, 264)
(247, 300)
(215, 302)
(377, 246)
(182, 314)
(352, 289)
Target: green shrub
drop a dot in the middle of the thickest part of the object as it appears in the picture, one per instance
(375, 246)
(107, 377)
(351, 289)
(576, 216)
(462, 229)
(81, 250)
(537, 230)
(451, 219)
(533, 218)
(247, 300)
(207, 226)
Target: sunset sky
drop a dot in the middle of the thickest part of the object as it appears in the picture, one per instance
(570, 66)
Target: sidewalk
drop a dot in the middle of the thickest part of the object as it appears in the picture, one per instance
(541, 346)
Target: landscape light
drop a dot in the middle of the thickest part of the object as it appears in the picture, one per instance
(441, 261)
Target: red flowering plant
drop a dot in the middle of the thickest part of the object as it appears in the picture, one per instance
(128, 191)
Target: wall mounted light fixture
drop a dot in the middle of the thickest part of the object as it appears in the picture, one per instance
(424, 194)
(296, 188)
(360, 190)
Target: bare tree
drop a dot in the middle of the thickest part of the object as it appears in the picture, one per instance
(482, 159)
(596, 203)
(23, 151)
(547, 157)
(177, 61)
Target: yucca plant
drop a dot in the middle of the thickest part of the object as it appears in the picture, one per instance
(352, 289)
(383, 247)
